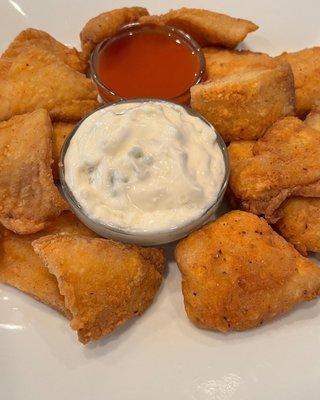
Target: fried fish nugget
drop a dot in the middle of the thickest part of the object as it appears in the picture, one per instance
(285, 162)
(206, 27)
(34, 37)
(61, 131)
(238, 273)
(300, 223)
(313, 118)
(244, 105)
(22, 268)
(28, 196)
(222, 62)
(107, 24)
(104, 283)
(36, 78)
(306, 70)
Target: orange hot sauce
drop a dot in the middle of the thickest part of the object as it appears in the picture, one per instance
(148, 61)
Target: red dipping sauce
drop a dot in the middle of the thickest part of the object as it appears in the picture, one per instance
(147, 61)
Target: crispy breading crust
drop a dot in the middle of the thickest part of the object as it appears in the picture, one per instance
(28, 196)
(22, 268)
(34, 37)
(61, 131)
(278, 169)
(104, 283)
(107, 24)
(222, 62)
(313, 118)
(206, 27)
(238, 273)
(300, 223)
(244, 105)
(306, 70)
(37, 78)
(240, 150)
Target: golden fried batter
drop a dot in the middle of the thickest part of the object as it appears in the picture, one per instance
(243, 106)
(285, 162)
(313, 118)
(300, 223)
(22, 268)
(104, 283)
(34, 37)
(61, 131)
(206, 27)
(222, 62)
(36, 78)
(237, 273)
(107, 24)
(306, 70)
(240, 150)
(28, 196)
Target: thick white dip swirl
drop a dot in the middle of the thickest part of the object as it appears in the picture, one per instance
(144, 166)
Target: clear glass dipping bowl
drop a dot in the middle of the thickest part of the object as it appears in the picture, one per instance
(108, 95)
(143, 238)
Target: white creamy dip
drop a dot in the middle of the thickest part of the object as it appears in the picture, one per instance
(144, 166)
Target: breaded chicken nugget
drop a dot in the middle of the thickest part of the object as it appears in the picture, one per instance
(34, 37)
(221, 62)
(313, 118)
(238, 273)
(244, 105)
(300, 223)
(104, 283)
(61, 131)
(206, 27)
(22, 268)
(28, 196)
(285, 162)
(306, 70)
(36, 78)
(107, 24)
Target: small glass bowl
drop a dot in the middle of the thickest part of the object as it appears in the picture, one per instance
(143, 238)
(108, 95)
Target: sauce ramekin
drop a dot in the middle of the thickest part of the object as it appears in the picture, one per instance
(109, 95)
(144, 238)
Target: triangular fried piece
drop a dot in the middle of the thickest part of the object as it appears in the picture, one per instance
(237, 273)
(22, 268)
(28, 196)
(242, 106)
(206, 27)
(36, 78)
(107, 24)
(104, 283)
(34, 37)
(285, 162)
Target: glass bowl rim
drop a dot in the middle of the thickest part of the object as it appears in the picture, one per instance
(187, 38)
(130, 234)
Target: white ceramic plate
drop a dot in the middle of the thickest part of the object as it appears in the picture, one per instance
(160, 356)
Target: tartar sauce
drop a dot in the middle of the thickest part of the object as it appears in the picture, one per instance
(144, 166)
